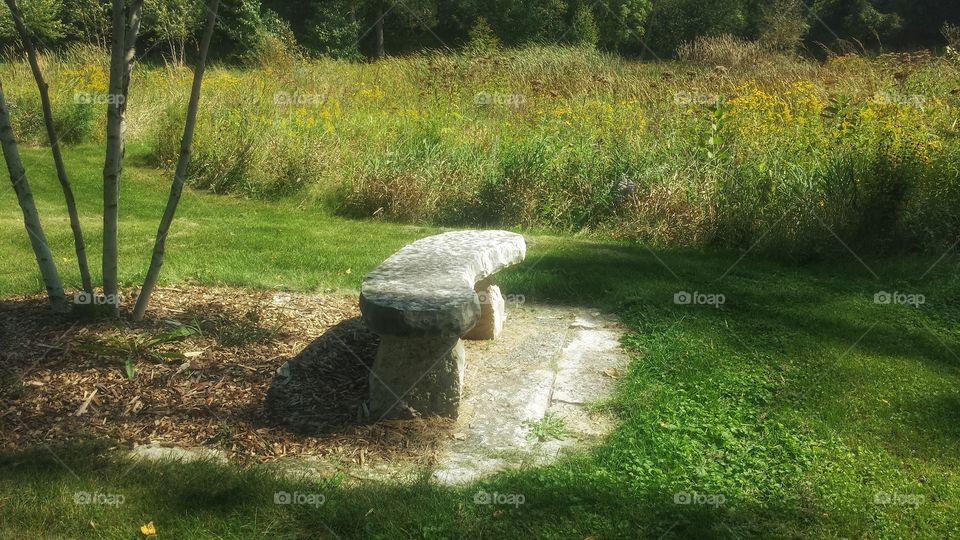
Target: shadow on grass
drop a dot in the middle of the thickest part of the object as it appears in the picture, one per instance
(206, 498)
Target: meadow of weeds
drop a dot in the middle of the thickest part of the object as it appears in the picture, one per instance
(737, 150)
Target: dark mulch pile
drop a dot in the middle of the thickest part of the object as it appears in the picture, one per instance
(205, 375)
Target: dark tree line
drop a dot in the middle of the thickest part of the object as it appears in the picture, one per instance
(372, 28)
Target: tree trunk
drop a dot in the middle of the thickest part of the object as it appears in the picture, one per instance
(378, 31)
(113, 165)
(79, 244)
(176, 189)
(31, 218)
(130, 55)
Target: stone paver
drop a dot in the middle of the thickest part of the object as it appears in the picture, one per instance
(548, 360)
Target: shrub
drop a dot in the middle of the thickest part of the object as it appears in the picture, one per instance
(276, 47)
(855, 20)
(531, 21)
(332, 30)
(241, 28)
(622, 24)
(172, 24)
(951, 33)
(483, 40)
(77, 122)
(724, 50)
(674, 22)
(26, 118)
(783, 24)
(278, 154)
(42, 17)
(583, 27)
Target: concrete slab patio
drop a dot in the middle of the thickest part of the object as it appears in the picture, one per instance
(550, 362)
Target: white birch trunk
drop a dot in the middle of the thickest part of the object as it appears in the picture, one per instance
(176, 189)
(79, 244)
(31, 218)
(113, 165)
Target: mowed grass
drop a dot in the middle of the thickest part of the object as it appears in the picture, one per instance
(216, 239)
(799, 407)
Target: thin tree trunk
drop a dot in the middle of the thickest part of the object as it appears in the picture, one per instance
(176, 189)
(113, 165)
(79, 244)
(130, 55)
(174, 57)
(378, 31)
(31, 218)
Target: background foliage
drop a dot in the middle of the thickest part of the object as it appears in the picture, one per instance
(347, 29)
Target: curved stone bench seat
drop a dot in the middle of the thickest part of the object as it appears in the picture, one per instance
(421, 301)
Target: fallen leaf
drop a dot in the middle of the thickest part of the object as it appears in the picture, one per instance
(613, 373)
(148, 529)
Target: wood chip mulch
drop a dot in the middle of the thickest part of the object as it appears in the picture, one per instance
(214, 385)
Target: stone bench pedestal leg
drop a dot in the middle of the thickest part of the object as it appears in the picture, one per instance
(493, 311)
(420, 376)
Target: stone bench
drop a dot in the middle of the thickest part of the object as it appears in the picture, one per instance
(421, 302)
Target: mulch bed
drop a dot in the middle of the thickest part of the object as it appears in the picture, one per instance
(215, 385)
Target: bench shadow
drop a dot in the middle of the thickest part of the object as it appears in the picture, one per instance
(324, 387)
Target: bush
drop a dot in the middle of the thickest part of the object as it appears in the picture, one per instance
(531, 21)
(26, 118)
(483, 40)
(42, 18)
(583, 27)
(332, 30)
(240, 30)
(951, 33)
(853, 20)
(724, 50)
(276, 47)
(275, 157)
(77, 122)
(622, 24)
(674, 22)
(783, 24)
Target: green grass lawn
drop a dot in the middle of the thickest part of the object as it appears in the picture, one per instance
(216, 240)
(800, 407)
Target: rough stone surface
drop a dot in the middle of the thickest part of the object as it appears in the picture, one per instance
(156, 452)
(583, 366)
(427, 288)
(549, 360)
(493, 311)
(421, 301)
(414, 376)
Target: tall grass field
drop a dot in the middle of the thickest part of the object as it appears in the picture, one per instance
(727, 147)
